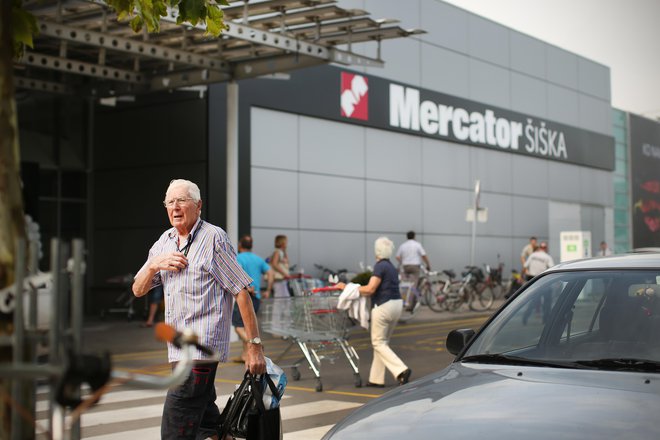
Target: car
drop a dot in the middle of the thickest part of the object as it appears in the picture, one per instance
(573, 354)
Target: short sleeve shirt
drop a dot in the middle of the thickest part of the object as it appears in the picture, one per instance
(199, 297)
(389, 283)
(255, 267)
(411, 253)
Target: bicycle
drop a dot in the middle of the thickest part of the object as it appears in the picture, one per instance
(426, 290)
(471, 290)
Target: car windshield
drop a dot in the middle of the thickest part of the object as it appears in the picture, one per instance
(589, 319)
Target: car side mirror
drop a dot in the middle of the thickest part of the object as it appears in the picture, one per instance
(458, 339)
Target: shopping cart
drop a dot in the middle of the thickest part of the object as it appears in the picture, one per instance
(313, 323)
(300, 284)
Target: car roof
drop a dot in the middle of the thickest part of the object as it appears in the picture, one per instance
(625, 261)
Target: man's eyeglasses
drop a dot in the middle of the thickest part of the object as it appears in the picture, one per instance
(178, 201)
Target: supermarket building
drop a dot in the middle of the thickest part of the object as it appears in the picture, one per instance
(334, 157)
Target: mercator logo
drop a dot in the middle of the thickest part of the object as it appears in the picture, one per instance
(354, 96)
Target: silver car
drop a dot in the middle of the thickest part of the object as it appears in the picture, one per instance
(574, 354)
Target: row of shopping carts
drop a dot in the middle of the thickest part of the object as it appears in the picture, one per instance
(311, 321)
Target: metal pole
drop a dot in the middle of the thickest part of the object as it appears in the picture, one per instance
(56, 414)
(232, 161)
(77, 298)
(19, 340)
(474, 223)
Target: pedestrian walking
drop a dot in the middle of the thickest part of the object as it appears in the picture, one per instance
(196, 264)
(410, 256)
(387, 305)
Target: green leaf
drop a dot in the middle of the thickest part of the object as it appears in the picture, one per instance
(137, 23)
(192, 11)
(24, 26)
(123, 8)
(214, 21)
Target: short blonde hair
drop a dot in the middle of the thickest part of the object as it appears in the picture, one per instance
(383, 247)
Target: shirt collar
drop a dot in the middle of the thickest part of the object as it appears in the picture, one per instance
(175, 234)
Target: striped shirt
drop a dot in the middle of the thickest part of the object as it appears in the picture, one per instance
(198, 297)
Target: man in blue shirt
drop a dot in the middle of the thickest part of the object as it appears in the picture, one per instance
(255, 267)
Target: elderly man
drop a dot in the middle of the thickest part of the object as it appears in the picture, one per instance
(196, 264)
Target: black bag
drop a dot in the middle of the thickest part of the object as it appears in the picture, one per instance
(245, 415)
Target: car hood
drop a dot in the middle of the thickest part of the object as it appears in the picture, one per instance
(469, 401)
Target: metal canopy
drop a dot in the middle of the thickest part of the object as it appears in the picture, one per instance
(82, 48)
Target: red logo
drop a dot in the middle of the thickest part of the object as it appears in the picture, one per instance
(354, 96)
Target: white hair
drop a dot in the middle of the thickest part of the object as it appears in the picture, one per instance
(193, 189)
(383, 247)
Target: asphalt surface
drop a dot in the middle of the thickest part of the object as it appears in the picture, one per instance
(307, 413)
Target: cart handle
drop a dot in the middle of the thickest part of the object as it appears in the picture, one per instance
(325, 289)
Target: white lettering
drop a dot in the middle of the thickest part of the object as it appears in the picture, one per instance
(404, 107)
(477, 128)
(460, 118)
(446, 115)
(503, 133)
(490, 127)
(428, 113)
(516, 132)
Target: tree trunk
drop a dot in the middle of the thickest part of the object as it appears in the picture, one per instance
(12, 220)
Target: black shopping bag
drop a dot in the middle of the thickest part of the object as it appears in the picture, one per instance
(245, 415)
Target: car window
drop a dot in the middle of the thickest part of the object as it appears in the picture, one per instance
(579, 316)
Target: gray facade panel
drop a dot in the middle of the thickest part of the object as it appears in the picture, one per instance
(595, 114)
(393, 207)
(449, 25)
(274, 139)
(488, 41)
(593, 219)
(564, 181)
(393, 156)
(530, 177)
(563, 105)
(499, 214)
(527, 55)
(444, 210)
(315, 247)
(594, 79)
(490, 84)
(448, 251)
(445, 71)
(492, 168)
(529, 218)
(406, 52)
(408, 16)
(333, 203)
(562, 67)
(596, 187)
(274, 198)
(529, 95)
(342, 153)
(445, 164)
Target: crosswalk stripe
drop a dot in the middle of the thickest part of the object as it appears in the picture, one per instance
(116, 396)
(308, 434)
(313, 408)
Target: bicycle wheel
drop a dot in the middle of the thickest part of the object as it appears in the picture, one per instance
(481, 297)
(435, 297)
(455, 296)
(498, 290)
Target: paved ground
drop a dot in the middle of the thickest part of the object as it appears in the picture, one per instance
(135, 413)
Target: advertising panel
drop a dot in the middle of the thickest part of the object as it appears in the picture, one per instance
(645, 181)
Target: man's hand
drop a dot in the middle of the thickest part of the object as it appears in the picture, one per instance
(175, 261)
(255, 362)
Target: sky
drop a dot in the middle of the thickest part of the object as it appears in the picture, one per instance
(621, 34)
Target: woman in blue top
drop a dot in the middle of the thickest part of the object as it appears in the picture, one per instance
(387, 305)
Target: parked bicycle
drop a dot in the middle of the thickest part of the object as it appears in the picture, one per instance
(472, 290)
(428, 290)
(334, 276)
